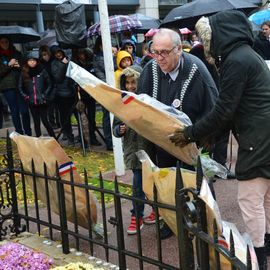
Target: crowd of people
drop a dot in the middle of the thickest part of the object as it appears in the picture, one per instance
(217, 79)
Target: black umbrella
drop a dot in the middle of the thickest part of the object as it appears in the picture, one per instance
(147, 22)
(19, 34)
(48, 38)
(188, 14)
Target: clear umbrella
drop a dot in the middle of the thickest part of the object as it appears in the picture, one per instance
(260, 16)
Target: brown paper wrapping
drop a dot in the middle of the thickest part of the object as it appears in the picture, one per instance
(151, 123)
(164, 180)
(47, 150)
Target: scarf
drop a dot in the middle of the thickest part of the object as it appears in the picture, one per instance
(7, 52)
(33, 72)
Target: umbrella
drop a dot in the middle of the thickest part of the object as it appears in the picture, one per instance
(118, 23)
(188, 14)
(146, 21)
(151, 32)
(19, 34)
(185, 31)
(48, 38)
(260, 16)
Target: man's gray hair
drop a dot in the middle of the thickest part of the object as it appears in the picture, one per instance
(175, 37)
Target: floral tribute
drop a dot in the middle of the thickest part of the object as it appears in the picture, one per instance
(15, 256)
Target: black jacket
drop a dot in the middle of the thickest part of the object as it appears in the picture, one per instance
(244, 99)
(9, 76)
(37, 89)
(65, 87)
(262, 46)
(199, 98)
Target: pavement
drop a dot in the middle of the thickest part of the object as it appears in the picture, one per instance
(226, 194)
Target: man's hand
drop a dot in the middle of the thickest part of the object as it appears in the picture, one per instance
(179, 138)
(65, 60)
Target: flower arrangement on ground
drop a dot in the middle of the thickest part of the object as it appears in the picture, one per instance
(19, 257)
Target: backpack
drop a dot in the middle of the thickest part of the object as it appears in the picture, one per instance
(70, 26)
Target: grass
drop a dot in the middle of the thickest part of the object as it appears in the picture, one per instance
(99, 115)
(93, 162)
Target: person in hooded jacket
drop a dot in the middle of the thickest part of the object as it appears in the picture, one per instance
(129, 46)
(46, 59)
(65, 92)
(10, 69)
(123, 60)
(84, 58)
(132, 143)
(34, 86)
(243, 105)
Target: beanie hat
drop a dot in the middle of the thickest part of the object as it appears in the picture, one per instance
(32, 55)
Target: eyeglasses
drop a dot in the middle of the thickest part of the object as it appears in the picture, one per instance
(163, 53)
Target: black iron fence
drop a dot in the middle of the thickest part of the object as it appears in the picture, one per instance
(193, 240)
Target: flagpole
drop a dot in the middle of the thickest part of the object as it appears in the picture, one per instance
(109, 71)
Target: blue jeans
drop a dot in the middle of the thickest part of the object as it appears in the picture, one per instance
(137, 192)
(19, 111)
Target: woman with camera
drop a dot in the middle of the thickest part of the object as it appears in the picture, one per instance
(10, 69)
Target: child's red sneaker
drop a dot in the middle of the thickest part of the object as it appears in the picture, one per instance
(151, 219)
(132, 228)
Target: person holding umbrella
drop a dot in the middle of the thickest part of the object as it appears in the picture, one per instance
(243, 105)
(10, 67)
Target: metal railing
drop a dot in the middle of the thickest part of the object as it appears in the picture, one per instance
(193, 240)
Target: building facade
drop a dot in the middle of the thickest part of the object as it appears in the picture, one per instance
(39, 14)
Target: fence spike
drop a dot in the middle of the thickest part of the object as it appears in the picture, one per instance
(232, 248)
(32, 165)
(57, 169)
(116, 187)
(199, 174)
(101, 181)
(85, 176)
(9, 148)
(215, 229)
(249, 263)
(179, 180)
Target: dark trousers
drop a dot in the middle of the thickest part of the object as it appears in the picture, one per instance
(19, 111)
(53, 113)
(107, 127)
(40, 113)
(137, 192)
(66, 107)
(90, 105)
